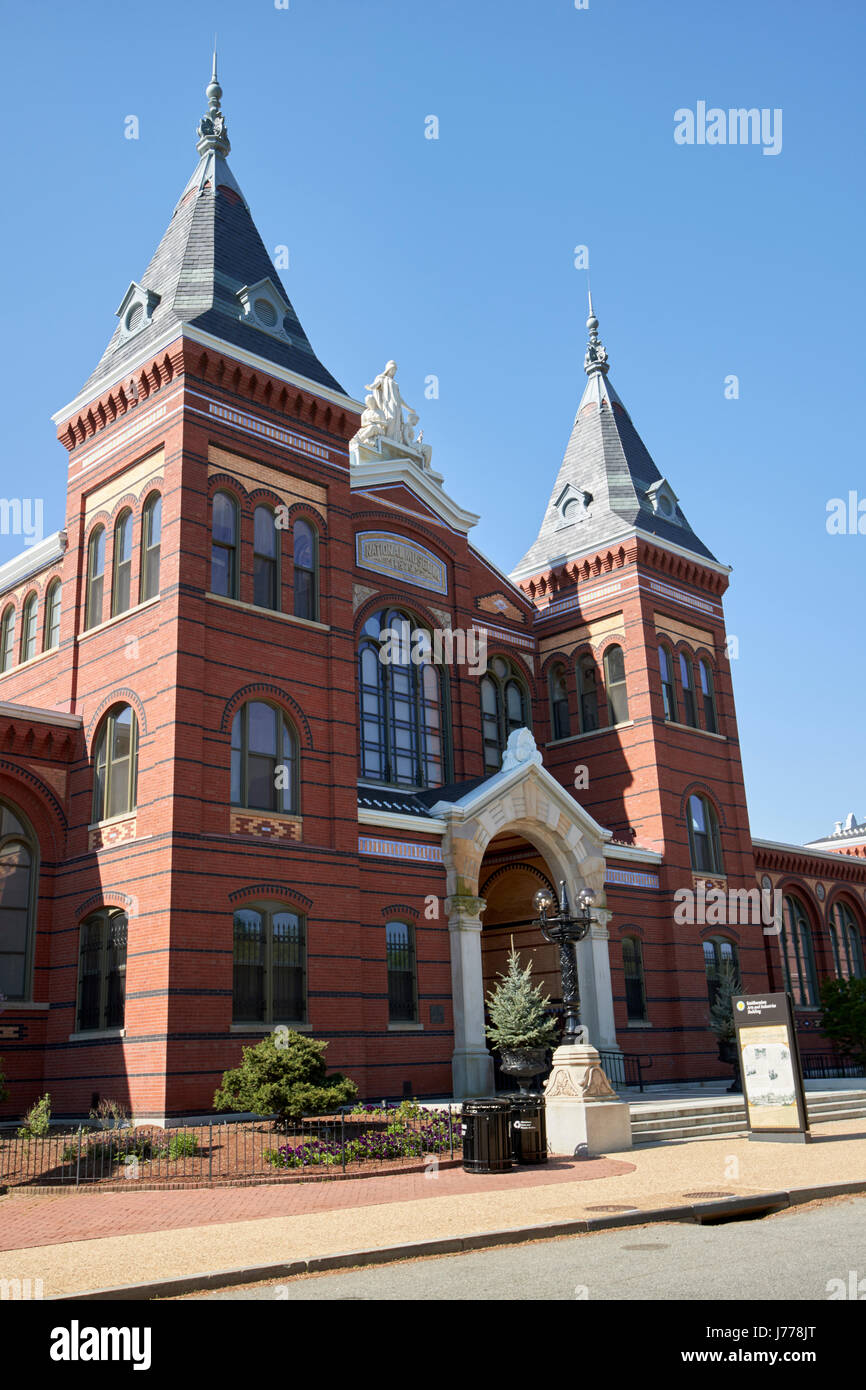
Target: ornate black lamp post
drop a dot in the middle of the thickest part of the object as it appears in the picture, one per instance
(563, 930)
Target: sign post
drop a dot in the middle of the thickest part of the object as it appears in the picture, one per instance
(770, 1067)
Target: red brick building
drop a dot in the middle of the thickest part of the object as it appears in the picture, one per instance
(232, 799)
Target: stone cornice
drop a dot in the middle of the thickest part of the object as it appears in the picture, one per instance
(816, 863)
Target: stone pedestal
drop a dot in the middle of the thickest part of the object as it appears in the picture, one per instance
(585, 1116)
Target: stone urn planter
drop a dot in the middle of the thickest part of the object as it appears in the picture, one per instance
(524, 1063)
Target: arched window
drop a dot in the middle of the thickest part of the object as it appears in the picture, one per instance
(690, 709)
(116, 761)
(264, 759)
(122, 586)
(224, 546)
(587, 693)
(798, 956)
(18, 876)
(306, 566)
(720, 958)
(29, 615)
(102, 971)
(504, 708)
(7, 639)
(846, 943)
(270, 959)
(95, 577)
(402, 981)
(402, 702)
(704, 840)
(560, 720)
(708, 695)
(151, 542)
(266, 563)
(669, 693)
(635, 984)
(614, 680)
(52, 614)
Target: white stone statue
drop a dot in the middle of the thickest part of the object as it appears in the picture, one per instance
(520, 749)
(383, 416)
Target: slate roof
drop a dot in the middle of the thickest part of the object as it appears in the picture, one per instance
(210, 250)
(388, 799)
(606, 458)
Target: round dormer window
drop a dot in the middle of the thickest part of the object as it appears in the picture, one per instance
(265, 313)
(134, 317)
(571, 509)
(665, 506)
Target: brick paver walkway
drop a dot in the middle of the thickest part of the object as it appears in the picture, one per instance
(82, 1215)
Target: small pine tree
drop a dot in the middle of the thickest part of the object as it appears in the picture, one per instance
(722, 1008)
(287, 1078)
(843, 1004)
(517, 1009)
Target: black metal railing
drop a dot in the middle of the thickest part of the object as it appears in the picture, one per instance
(350, 1142)
(826, 1066)
(623, 1070)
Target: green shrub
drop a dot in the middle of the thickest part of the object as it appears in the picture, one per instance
(843, 1004)
(287, 1078)
(182, 1146)
(37, 1121)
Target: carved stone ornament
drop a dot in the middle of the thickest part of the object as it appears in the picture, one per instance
(520, 750)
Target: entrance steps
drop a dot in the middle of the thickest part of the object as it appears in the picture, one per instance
(717, 1116)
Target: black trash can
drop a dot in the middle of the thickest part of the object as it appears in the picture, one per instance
(528, 1129)
(486, 1137)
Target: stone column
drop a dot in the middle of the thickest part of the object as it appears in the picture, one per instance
(596, 989)
(472, 1064)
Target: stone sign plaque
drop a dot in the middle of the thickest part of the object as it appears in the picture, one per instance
(400, 558)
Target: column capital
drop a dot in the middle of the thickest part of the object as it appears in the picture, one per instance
(462, 906)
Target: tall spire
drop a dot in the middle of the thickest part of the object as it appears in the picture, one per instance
(596, 355)
(212, 132)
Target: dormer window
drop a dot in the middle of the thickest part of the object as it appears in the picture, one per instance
(573, 504)
(663, 500)
(264, 307)
(136, 309)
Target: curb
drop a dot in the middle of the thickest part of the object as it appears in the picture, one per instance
(699, 1213)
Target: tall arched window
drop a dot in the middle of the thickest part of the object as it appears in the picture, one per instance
(402, 702)
(402, 982)
(95, 577)
(52, 614)
(704, 840)
(224, 546)
(121, 590)
(264, 759)
(798, 955)
(669, 693)
(306, 567)
(614, 680)
(18, 876)
(270, 965)
(587, 693)
(7, 639)
(115, 759)
(708, 695)
(151, 545)
(560, 720)
(266, 561)
(504, 708)
(720, 958)
(846, 943)
(29, 615)
(102, 971)
(635, 984)
(690, 709)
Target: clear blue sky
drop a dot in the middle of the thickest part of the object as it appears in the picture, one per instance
(455, 257)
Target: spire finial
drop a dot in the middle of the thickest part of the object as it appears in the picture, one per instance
(212, 132)
(596, 354)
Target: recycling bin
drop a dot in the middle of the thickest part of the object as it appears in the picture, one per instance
(486, 1135)
(528, 1130)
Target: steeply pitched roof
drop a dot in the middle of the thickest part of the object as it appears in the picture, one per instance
(210, 251)
(605, 487)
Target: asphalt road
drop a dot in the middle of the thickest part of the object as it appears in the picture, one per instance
(793, 1255)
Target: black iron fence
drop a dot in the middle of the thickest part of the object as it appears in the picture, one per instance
(352, 1142)
(826, 1066)
(622, 1070)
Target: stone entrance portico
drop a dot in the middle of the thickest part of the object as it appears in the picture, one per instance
(522, 798)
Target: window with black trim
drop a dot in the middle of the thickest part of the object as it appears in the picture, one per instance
(306, 570)
(115, 759)
(720, 956)
(402, 981)
(151, 546)
(269, 965)
(403, 695)
(52, 614)
(122, 586)
(846, 943)
(587, 693)
(669, 693)
(708, 696)
(704, 840)
(224, 569)
(635, 983)
(615, 685)
(7, 638)
(29, 618)
(102, 971)
(264, 747)
(560, 719)
(798, 953)
(687, 680)
(504, 708)
(266, 559)
(95, 577)
(18, 885)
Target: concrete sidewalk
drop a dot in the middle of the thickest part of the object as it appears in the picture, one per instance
(64, 1240)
